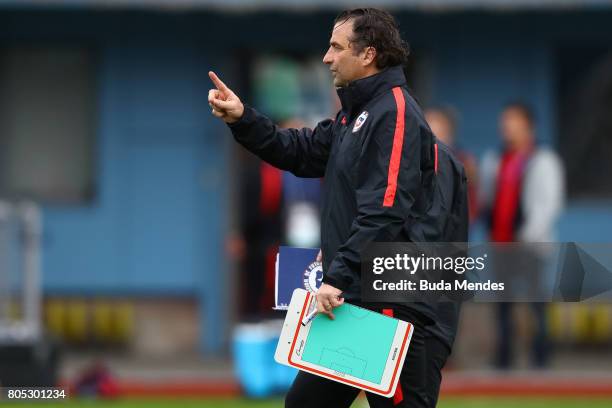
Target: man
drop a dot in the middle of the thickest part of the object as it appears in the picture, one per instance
(442, 121)
(447, 220)
(377, 160)
(523, 190)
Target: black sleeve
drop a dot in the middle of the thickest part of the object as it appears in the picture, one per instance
(304, 152)
(388, 184)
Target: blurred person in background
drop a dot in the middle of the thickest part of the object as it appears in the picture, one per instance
(276, 208)
(302, 196)
(447, 220)
(378, 162)
(522, 189)
(454, 192)
(260, 233)
(443, 123)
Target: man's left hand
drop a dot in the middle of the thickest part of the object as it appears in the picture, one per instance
(328, 298)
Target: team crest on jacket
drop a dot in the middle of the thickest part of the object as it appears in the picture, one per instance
(360, 121)
(313, 276)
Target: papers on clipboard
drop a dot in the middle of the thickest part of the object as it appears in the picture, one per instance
(360, 348)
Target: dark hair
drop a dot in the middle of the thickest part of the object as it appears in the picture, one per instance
(523, 109)
(376, 28)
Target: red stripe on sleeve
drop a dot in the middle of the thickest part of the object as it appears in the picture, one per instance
(436, 158)
(396, 152)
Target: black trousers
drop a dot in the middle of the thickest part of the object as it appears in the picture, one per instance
(310, 391)
(437, 353)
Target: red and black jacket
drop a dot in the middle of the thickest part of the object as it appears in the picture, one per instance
(377, 160)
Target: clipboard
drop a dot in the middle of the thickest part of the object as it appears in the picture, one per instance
(360, 348)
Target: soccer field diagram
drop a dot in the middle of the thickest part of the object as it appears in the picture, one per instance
(357, 342)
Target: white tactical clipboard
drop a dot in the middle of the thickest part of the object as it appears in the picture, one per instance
(360, 348)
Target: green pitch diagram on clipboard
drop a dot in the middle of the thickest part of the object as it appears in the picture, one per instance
(359, 347)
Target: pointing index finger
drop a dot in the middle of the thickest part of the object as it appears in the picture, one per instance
(218, 83)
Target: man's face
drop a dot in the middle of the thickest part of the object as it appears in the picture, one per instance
(344, 64)
(515, 128)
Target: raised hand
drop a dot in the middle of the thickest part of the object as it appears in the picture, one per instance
(224, 102)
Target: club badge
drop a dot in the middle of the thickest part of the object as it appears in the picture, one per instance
(313, 276)
(360, 121)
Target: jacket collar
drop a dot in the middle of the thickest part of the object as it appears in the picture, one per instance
(356, 94)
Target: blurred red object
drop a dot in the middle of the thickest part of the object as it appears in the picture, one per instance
(96, 381)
